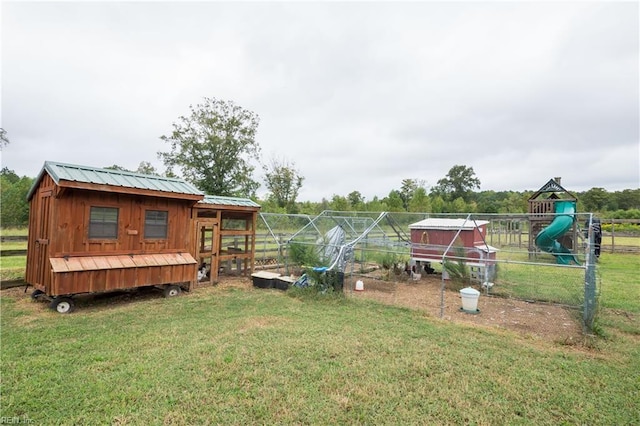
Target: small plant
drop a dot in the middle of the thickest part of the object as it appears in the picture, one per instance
(326, 281)
(388, 260)
(303, 254)
(458, 270)
(322, 282)
(312, 293)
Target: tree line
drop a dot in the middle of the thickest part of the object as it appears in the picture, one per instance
(214, 147)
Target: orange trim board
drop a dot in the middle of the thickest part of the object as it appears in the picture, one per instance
(97, 263)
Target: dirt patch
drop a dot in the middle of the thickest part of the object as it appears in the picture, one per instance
(532, 320)
(540, 320)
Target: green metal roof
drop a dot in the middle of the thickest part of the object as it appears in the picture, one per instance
(228, 201)
(93, 175)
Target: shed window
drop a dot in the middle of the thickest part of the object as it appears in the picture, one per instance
(103, 223)
(155, 224)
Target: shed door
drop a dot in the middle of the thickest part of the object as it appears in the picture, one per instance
(207, 251)
(43, 269)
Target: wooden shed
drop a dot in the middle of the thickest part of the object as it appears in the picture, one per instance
(97, 230)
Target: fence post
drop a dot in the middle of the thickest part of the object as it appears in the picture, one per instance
(589, 310)
(613, 236)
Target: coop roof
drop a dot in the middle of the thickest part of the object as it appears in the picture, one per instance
(487, 248)
(228, 201)
(447, 224)
(93, 178)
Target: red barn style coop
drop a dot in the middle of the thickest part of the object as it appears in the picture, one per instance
(454, 239)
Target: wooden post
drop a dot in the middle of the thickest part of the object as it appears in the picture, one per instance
(613, 236)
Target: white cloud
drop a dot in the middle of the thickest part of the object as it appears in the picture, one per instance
(358, 95)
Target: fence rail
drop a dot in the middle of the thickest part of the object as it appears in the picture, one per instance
(497, 237)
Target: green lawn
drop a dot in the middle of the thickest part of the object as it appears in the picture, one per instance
(14, 245)
(233, 356)
(619, 279)
(12, 267)
(11, 232)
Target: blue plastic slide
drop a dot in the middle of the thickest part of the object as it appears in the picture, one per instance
(547, 239)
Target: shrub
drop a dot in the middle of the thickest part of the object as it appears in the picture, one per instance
(458, 269)
(303, 254)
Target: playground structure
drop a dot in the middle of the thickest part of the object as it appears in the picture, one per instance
(552, 220)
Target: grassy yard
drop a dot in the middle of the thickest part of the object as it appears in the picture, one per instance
(233, 356)
(12, 267)
(14, 232)
(226, 355)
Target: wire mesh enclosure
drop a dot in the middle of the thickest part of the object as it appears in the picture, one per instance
(424, 260)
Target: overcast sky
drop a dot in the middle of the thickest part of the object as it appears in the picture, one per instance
(359, 95)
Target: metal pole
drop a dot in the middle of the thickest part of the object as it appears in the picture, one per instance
(588, 315)
(442, 286)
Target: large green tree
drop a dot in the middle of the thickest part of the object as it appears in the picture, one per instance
(595, 199)
(459, 182)
(147, 168)
(420, 201)
(14, 208)
(626, 199)
(356, 200)
(213, 147)
(407, 190)
(394, 201)
(339, 203)
(144, 167)
(283, 181)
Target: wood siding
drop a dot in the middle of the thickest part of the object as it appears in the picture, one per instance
(70, 233)
(431, 243)
(59, 228)
(443, 237)
(114, 279)
(41, 213)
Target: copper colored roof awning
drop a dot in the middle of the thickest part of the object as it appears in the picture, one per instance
(97, 263)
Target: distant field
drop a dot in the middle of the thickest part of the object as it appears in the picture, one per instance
(14, 232)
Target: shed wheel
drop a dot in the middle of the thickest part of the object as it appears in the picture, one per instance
(172, 291)
(63, 305)
(36, 294)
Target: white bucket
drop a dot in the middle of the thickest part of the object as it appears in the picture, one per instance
(470, 298)
(359, 286)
